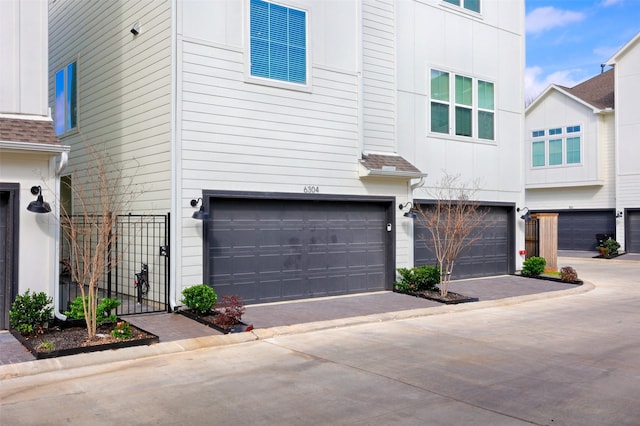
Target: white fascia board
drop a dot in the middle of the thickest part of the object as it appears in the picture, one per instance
(33, 147)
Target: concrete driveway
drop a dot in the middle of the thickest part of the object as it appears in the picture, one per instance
(569, 360)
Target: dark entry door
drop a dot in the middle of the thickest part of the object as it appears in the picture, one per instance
(633, 231)
(8, 250)
(269, 250)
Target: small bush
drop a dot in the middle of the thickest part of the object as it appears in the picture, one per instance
(612, 245)
(103, 310)
(533, 266)
(200, 298)
(30, 311)
(567, 273)
(419, 278)
(230, 310)
(122, 330)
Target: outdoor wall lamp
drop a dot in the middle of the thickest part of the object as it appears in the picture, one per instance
(411, 213)
(39, 205)
(199, 214)
(526, 216)
(619, 214)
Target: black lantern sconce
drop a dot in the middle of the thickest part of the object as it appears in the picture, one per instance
(199, 214)
(411, 213)
(619, 214)
(526, 216)
(39, 205)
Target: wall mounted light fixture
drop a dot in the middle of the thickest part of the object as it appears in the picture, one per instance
(39, 205)
(619, 214)
(199, 214)
(526, 216)
(135, 30)
(411, 213)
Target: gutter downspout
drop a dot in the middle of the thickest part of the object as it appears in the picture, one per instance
(174, 159)
(64, 160)
(360, 73)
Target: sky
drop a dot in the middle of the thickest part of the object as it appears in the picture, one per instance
(567, 40)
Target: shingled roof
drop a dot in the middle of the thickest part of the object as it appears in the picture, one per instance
(597, 91)
(28, 131)
(389, 165)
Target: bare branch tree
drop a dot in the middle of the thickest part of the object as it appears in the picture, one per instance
(453, 223)
(100, 192)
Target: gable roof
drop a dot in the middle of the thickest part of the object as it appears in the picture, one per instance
(388, 165)
(597, 91)
(623, 50)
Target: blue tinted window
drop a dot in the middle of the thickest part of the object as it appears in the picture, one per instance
(278, 42)
(66, 104)
(557, 131)
(538, 133)
(573, 129)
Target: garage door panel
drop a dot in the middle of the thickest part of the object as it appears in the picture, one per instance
(577, 229)
(632, 231)
(323, 243)
(487, 256)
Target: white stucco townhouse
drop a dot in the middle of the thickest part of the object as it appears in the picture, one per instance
(31, 157)
(581, 155)
(299, 127)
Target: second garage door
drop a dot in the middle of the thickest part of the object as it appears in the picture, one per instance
(577, 229)
(633, 231)
(268, 250)
(491, 255)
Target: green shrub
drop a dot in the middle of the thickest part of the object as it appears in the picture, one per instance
(200, 298)
(103, 310)
(612, 245)
(419, 278)
(567, 273)
(533, 266)
(29, 312)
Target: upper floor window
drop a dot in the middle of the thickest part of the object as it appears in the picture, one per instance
(278, 39)
(556, 151)
(66, 112)
(466, 102)
(473, 5)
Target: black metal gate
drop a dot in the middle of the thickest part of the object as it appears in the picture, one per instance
(141, 253)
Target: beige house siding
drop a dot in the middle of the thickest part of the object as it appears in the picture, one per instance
(124, 88)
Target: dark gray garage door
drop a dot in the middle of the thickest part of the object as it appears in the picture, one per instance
(272, 250)
(577, 229)
(632, 231)
(491, 255)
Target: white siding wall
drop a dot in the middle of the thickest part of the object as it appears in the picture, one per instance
(124, 88)
(379, 75)
(628, 125)
(23, 55)
(235, 135)
(37, 268)
(559, 110)
(568, 196)
(477, 47)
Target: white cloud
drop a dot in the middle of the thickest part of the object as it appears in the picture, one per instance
(546, 18)
(607, 3)
(535, 82)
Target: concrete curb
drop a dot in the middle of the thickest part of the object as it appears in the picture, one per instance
(164, 348)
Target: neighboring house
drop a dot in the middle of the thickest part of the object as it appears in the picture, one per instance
(30, 156)
(302, 126)
(580, 156)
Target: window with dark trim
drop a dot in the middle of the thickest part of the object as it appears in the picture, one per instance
(66, 108)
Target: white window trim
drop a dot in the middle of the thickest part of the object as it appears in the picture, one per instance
(248, 78)
(452, 106)
(563, 136)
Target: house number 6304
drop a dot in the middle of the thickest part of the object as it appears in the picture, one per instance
(311, 189)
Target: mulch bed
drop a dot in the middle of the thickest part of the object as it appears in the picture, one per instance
(69, 339)
(450, 299)
(608, 256)
(210, 320)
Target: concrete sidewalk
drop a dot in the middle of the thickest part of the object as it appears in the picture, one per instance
(178, 333)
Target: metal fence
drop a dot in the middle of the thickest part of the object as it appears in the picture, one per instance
(139, 260)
